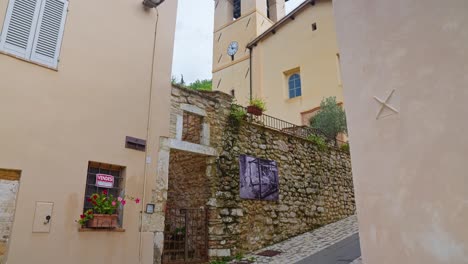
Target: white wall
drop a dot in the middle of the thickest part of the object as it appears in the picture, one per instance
(409, 167)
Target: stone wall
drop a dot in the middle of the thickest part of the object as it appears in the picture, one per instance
(188, 187)
(316, 187)
(216, 106)
(8, 189)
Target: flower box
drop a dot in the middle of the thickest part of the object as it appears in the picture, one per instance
(103, 221)
(103, 214)
(254, 110)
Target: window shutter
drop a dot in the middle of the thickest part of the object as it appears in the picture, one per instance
(49, 33)
(20, 24)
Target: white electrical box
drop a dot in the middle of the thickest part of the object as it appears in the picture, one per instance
(43, 217)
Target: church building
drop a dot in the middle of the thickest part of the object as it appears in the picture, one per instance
(289, 61)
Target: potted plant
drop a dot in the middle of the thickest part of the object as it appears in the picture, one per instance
(103, 214)
(256, 107)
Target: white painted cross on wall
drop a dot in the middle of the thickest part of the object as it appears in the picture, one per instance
(384, 104)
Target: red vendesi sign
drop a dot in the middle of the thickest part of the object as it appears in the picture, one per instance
(104, 181)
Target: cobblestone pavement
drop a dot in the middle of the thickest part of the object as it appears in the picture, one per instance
(357, 261)
(302, 246)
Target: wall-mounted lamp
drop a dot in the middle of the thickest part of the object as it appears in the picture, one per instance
(152, 3)
(149, 208)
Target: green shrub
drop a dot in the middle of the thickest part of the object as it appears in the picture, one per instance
(319, 141)
(330, 118)
(238, 113)
(239, 256)
(345, 147)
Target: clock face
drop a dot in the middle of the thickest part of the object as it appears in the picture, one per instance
(233, 47)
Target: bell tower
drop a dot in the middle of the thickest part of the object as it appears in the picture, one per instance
(236, 23)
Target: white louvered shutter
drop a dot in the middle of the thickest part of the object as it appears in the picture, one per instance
(19, 27)
(48, 38)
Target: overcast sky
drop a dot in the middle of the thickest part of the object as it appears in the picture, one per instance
(194, 38)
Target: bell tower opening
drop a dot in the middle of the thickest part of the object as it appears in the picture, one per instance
(275, 9)
(236, 9)
(236, 24)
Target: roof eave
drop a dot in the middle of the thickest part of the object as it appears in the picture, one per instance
(278, 24)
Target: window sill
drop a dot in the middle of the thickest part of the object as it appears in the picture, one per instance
(28, 61)
(118, 230)
(291, 100)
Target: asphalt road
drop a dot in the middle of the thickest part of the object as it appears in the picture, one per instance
(343, 252)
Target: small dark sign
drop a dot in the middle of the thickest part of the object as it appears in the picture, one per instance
(135, 143)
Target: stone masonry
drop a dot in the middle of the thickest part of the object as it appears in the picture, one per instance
(316, 187)
(190, 170)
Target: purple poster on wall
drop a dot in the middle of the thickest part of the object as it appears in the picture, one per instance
(258, 178)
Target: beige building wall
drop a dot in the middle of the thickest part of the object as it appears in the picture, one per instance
(234, 75)
(54, 122)
(409, 167)
(292, 48)
(295, 48)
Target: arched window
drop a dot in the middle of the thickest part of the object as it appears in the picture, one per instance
(294, 84)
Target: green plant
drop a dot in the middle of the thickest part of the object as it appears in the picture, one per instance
(202, 85)
(174, 80)
(180, 83)
(179, 231)
(88, 215)
(223, 260)
(257, 102)
(238, 113)
(239, 256)
(330, 118)
(345, 147)
(227, 258)
(319, 141)
(103, 203)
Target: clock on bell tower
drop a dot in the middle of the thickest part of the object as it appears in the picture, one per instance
(236, 23)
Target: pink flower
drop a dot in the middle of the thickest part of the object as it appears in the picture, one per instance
(113, 203)
(123, 202)
(137, 200)
(119, 199)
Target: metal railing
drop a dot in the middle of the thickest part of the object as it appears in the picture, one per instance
(285, 126)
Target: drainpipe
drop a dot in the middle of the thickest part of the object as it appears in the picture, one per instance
(250, 59)
(148, 134)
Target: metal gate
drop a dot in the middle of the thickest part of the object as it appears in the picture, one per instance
(185, 236)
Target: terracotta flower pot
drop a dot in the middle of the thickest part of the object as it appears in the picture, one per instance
(103, 221)
(254, 110)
